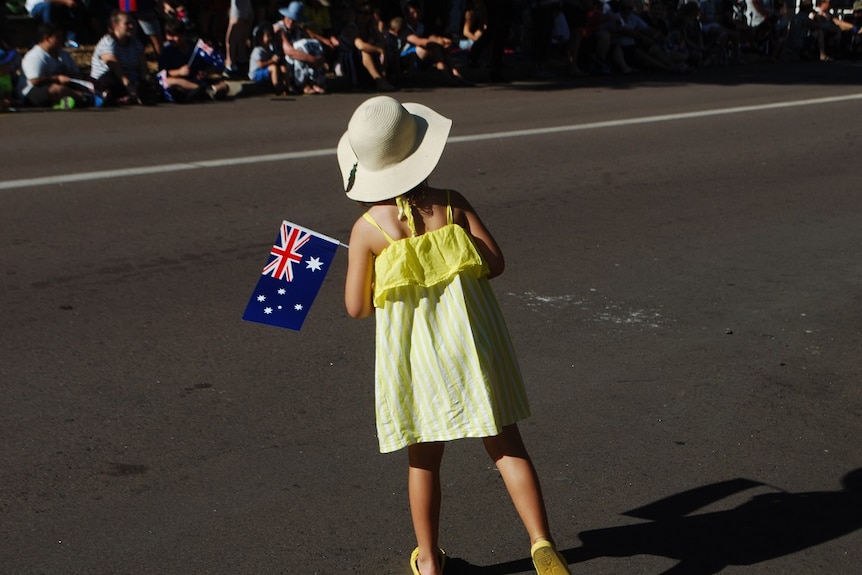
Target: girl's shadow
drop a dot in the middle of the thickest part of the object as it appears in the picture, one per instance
(763, 528)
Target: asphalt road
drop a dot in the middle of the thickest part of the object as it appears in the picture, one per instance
(683, 288)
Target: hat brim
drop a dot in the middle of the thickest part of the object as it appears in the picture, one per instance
(364, 185)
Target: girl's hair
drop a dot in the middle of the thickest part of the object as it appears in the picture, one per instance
(174, 28)
(416, 196)
(261, 29)
(116, 17)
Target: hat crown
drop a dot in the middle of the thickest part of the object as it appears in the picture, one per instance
(295, 11)
(382, 133)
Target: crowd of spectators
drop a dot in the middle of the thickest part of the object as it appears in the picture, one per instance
(148, 51)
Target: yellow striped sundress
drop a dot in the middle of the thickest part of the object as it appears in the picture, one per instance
(445, 366)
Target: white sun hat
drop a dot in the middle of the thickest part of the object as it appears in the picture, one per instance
(389, 148)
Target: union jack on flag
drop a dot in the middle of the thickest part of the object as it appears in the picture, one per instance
(291, 278)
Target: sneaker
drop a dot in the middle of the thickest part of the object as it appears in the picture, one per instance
(66, 103)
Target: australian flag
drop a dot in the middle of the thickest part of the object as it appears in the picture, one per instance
(162, 77)
(205, 57)
(291, 278)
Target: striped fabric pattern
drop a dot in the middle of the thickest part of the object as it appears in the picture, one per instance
(445, 368)
(128, 56)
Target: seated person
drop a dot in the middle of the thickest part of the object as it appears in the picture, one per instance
(304, 54)
(641, 44)
(473, 31)
(831, 26)
(805, 37)
(432, 49)
(49, 76)
(373, 48)
(762, 18)
(180, 79)
(319, 26)
(118, 67)
(266, 67)
(720, 30)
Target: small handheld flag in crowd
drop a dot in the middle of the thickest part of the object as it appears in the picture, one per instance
(162, 77)
(297, 264)
(205, 56)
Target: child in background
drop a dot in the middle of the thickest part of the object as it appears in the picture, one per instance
(266, 66)
(179, 81)
(420, 259)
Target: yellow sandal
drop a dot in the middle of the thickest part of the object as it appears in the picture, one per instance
(414, 561)
(547, 560)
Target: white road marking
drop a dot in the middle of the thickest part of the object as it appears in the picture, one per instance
(220, 163)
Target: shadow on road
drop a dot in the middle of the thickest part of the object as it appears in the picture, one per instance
(842, 73)
(765, 527)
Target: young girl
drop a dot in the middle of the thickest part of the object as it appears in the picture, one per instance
(265, 66)
(421, 258)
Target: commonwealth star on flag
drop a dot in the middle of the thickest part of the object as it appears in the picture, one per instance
(291, 278)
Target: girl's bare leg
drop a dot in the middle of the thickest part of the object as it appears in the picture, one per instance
(423, 483)
(514, 464)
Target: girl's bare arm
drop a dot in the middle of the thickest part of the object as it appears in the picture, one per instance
(484, 240)
(360, 269)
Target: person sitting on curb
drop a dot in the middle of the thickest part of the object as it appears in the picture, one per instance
(118, 67)
(179, 80)
(372, 48)
(304, 54)
(266, 67)
(432, 49)
(831, 26)
(49, 76)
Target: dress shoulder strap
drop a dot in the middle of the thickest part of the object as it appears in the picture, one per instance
(371, 220)
(450, 218)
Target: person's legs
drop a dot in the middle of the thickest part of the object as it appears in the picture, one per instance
(149, 24)
(43, 11)
(370, 64)
(514, 464)
(522, 482)
(423, 483)
(238, 31)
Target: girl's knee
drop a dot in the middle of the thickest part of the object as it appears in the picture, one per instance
(507, 443)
